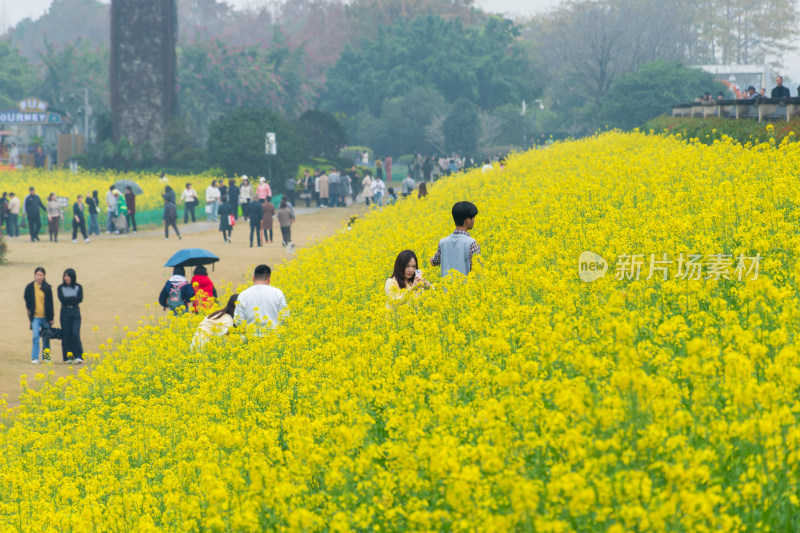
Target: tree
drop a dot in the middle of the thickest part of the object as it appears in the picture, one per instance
(324, 133)
(462, 128)
(70, 69)
(747, 31)
(18, 76)
(651, 91)
(236, 144)
(215, 78)
(399, 127)
(483, 65)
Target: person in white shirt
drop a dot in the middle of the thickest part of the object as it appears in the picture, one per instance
(261, 304)
(189, 199)
(212, 201)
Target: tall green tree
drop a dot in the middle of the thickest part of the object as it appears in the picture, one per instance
(18, 77)
(236, 144)
(482, 64)
(652, 90)
(462, 128)
(215, 78)
(70, 69)
(325, 134)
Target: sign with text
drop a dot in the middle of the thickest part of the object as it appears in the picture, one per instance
(30, 111)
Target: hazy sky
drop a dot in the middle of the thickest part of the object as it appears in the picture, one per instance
(12, 11)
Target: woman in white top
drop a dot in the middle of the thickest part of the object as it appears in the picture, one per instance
(405, 277)
(53, 216)
(245, 195)
(378, 187)
(216, 324)
(366, 185)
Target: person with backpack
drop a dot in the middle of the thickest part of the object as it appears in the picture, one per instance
(170, 219)
(177, 293)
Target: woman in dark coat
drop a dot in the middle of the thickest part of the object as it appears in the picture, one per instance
(70, 294)
(39, 302)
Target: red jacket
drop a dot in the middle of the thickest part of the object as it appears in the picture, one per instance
(204, 292)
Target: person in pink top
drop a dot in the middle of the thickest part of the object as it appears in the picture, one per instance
(387, 163)
(263, 190)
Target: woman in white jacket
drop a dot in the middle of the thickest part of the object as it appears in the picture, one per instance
(245, 195)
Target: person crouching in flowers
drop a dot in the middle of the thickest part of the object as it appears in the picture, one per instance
(216, 324)
(405, 277)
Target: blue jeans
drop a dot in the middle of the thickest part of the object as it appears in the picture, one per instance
(38, 324)
(378, 198)
(94, 227)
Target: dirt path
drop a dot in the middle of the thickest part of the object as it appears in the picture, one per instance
(120, 274)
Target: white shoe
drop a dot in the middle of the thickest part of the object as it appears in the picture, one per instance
(87, 240)
(35, 361)
(77, 361)
(134, 231)
(73, 240)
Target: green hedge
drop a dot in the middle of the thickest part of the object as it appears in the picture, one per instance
(709, 129)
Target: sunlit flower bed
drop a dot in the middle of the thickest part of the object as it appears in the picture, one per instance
(525, 399)
(68, 185)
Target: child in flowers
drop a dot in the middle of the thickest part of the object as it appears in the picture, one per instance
(217, 324)
(456, 250)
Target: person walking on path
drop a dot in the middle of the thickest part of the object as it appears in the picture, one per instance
(378, 168)
(323, 190)
(93, 203)
(111, 209)
(216, 324)
(212, 202)
(189, 199)
(204, 291)
(79, 219)
(388, 164)
(177, 293)
(285, 221)
(122, 213)
(254, 212)
(33, 208)
(263, 190)
(291, 185)
(261, 305)
(225, 219)
(334, 189)
(12, 224)
(366, 186)
(308, 187)
(455, 252)
(378, 188)
(171, 219)
(38, 297)
(245, 195)
(233, 198)
(168, 195)
(266, 218)
(130, 202)
(70, 294)
(53, 216)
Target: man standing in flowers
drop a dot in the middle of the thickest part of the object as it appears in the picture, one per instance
(261, 304)
(456, 250)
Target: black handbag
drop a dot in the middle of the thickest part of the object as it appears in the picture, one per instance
(51, 333)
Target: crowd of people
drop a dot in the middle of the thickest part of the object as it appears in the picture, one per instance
(779, 91)
(262, 306)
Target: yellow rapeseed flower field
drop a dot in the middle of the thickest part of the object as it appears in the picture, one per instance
(69, 185)
(662, 396)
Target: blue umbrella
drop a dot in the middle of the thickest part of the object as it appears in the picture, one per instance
(191, 257)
